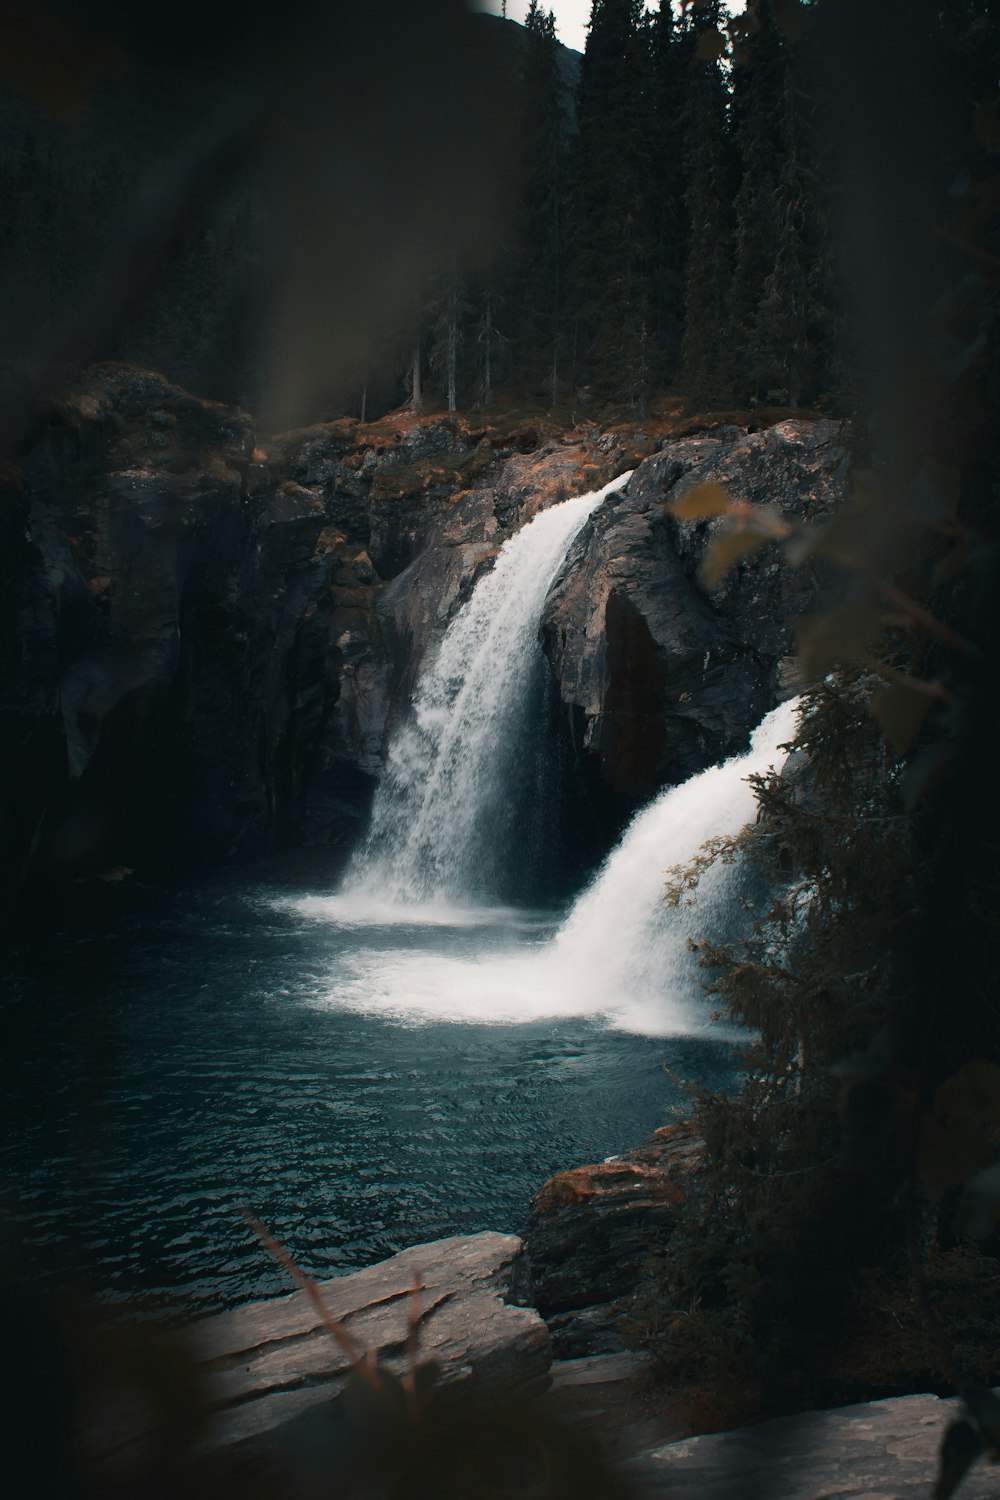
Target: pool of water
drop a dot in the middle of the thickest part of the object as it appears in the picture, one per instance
(359, 1082)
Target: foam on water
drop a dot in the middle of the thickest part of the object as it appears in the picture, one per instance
(621, 954)
(620, 938)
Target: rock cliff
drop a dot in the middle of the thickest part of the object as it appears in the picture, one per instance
(205, 641)
(659, 677)
(193, 663)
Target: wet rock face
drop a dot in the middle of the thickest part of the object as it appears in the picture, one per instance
(204, 646)
(203, 642)
(459, 538)
(272, 1378)
(663, 677)
(189, 671)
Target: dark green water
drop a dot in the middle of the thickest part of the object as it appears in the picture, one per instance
(221, 1053)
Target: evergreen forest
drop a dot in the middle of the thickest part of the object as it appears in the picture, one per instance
(676, 213)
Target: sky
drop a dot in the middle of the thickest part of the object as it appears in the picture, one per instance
(571, 16)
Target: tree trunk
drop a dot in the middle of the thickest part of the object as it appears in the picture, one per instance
(557, 288)
(486, 338)
(416, 390)
(452, 340)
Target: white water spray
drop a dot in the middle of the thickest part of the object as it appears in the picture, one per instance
(621, 944)
(621, 954)
(443, 813)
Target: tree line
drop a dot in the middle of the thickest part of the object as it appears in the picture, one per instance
(663, 226)
(671, 221)
(667, 226)
(699, 213)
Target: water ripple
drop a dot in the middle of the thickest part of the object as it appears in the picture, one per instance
(170, 1075)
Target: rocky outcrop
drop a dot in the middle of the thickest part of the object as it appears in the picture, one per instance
(270, 1376)
(183, 622)
(660, 677)
(258, 1399)
(194, 664)
(590, 1231)
(204, 642)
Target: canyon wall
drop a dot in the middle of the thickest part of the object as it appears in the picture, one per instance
(208, 636)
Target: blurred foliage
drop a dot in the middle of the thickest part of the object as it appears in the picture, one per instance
(129, 1411)
(236, 213)
(233, 208)
(847, 1183)
(842, 1241)
(829, 1251)
(413, 1439)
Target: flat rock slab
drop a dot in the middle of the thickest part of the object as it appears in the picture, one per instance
(268, 1368)
(882, 1450)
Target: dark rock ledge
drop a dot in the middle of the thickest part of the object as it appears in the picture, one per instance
(879, 1450)
(272, 1376)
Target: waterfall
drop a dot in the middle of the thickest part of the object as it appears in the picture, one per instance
(621, 954)
(620, 944)
(444, 823)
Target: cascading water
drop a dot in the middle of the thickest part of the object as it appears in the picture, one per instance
(445, 812)
(445, 824)
(621, 953)
(621, 945)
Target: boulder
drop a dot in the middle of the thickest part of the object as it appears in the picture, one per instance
(591, 1229)
(271, 1375)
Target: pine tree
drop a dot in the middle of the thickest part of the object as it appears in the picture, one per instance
(540, 208)
(758, 1275)
(415, 375)
(489, 342)
(790, 320)
(666, 187)
(613, 263)
(706, 340)
(758, 89)
(449, 308)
